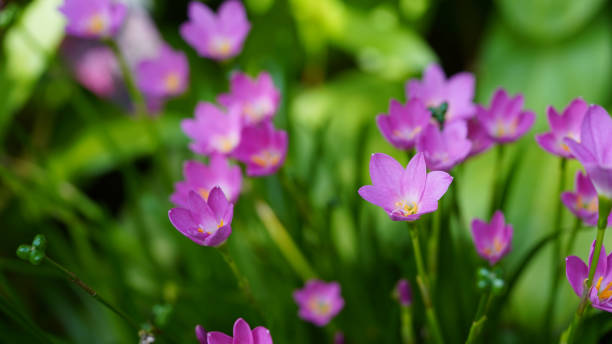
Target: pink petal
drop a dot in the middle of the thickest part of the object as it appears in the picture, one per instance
(576, 272)
(261, 335)
(385, 171)
(413, 177)
(218, 338)
(242, 332)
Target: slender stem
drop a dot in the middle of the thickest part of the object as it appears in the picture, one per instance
(243, 282)
(137, 97)
(424, 286)
(407, 331)
(497, 178)
(434, 241)
(481, 316)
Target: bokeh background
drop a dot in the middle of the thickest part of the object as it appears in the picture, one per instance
(337, 64)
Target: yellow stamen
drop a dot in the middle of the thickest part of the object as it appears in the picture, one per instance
(606, 293)
(97, 24)
(598, 285)
(220, 224)
(172, 82)
(266, 158)
(319, 307)
(565, 147)
(204, 193)
(497, 245)
(221, 46)
(407, 208)
(407, 134)
(200, 230)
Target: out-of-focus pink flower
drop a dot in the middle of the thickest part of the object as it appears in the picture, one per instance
(213, 130)
(166, 75)
(96, 70)
(481, 141)
(505, 121)
(319, 301)
(218, 36)
(577, 272)
(435, 89)
(494, 240)
(262, 148)
(93, 18)
(583, 203)
(257, 98)
(242, 335)
(405, 194)
(443, 149)
(404, 292)
(404, 123)
(201, 334)
(566, 125)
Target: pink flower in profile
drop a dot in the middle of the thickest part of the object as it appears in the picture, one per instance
(262, 148)
(258, 98)
(594, 151)
(405, 194)
(201, 334)
(318, 301)
(207, 223)
(166, 75)
(493, 241)
(435, 89)
(583, 203)
(242, 335)
(218, 36)
(443, 149)
(203, 178)
(577, 272)
(96, 70)
(93, 18)
(404, 123)
(404, 292)
(213, 130)
(505, 121)
(476, 133)
(566, 125)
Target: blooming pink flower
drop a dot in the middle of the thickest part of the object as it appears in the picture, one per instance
(93, 18)
(404, 123)
(434, 89)
(494, 240)
(213, 130)
(319, 302)
(478, 136)
(166, 75)
(505, 121)
(96, 70)
(443, 149)
(242, 335)
(577, 272)
(404, 292)
(561, 126)
(583, 203)
(219, 36)
(594, 151)
(405, 194)
(207, 223)
(258, 98)
(203, 178)
(262, 148)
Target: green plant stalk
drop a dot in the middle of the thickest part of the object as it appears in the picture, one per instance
(481, 316)
(407, 331)
(423, 283)
(497, 178)
(243, 282)
(434, 242)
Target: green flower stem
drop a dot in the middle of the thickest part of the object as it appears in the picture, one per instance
(497, 178)
(283, 241)
(434, 242)
(481, 316)
(137, 98)
(423, 283)
(243, 282)
(407, 331)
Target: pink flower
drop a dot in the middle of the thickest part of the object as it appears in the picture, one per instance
(566, 125)
(213, 130)
(96, 70)
(444, 149)
(166, 75)
(201, 334)
(93, 18)
(262, 148)
(242, 335)
(404, 292)
(404, 123)
(258, 98)
(505, 121)
(476, 133)
(218, 36)
(577, 272)
(583, 203)
(434, 89)
(405, 194)
(494, 240)
(319, 302)
(205, 223)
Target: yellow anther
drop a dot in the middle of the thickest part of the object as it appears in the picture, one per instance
(266, 158)
(318, 306)
(220, 224)
(407, 208)
(598, 285)
(172, 82)
(97, 24)
(200, 230)
(204, 193)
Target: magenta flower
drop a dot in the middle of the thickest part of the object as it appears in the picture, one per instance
(561, 126)
(594, 149)
(404, 292)
(93, 18)
(444, 149)
(96, 70)
(206, 223)
(201, 334)
(577, 272)
(494, 240)
(258, 98)
(404, 123)
(478, 136)
(505, 121)
(319, 302)
(262, 148)
(218, 37)
(405, 194)
(166, 75)
(242, 335)
(203, 178)
(583, 203)
(213, 130)
(457, 92)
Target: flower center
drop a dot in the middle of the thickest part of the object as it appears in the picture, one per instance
(505, 129)
(172, 82)
(96, 24)
(319, 306)
(210, 231)
(407, 133)
(226, 144)
(603, 294)
(496, 248)
(204, 193)
(406, 208)
(266, 158)
(589, 205)
(257, 109)
(221, 46)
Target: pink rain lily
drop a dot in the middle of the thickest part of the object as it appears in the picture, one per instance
(566, 125)
(404, 292)
(258, 98)
(219, 36)
(493, 241)
(443, 149)
(166, 75)
(262, 148)
(319, 302)
(404, 123)
(594, 151)
(405, 194)
(583, 203)
(435, 89)
(202, 178)
(476, 133)
(96, 70)
(93, 18)
(207, 223)
(213, 130)
(577, 272)
(201, 334)
(242, 335)
(505, 121)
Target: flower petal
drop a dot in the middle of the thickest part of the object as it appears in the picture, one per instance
(385, 171)
(218, 338)
(576, 272)
(261, 335)
(242, 332)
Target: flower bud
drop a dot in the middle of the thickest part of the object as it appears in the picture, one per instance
(36, 256)
(23, 251)
(40, 242)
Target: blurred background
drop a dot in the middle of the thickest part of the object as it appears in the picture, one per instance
(65, 148)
